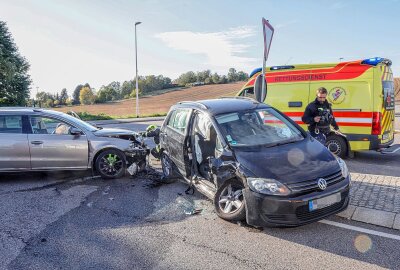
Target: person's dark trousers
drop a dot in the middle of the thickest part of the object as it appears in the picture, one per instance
(321, 137)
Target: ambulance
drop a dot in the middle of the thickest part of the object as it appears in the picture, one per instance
(361, 93)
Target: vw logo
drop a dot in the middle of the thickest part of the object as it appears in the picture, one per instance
(322, 183)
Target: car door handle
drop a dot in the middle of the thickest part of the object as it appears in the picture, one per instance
(36, 142)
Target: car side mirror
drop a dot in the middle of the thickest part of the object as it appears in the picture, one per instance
(260, 89)
(75, 131)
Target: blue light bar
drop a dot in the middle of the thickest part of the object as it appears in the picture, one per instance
(281, 67)
(373, 61)
(255, 71)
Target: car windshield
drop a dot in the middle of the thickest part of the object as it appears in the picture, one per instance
(79, 122)
(262, 127)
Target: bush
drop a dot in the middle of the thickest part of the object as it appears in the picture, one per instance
(89, 117)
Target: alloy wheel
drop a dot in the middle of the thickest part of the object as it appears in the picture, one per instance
(231, 199)
(111, 164)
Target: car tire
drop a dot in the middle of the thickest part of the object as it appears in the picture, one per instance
(168, 169)
(229, 201)
(111, 164)
(337, 145)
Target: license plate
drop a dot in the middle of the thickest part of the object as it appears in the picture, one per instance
(324, 202)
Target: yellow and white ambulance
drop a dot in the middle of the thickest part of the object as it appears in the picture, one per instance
(361, 93)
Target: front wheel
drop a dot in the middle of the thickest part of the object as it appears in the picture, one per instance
(229, 201)
(111, 164)
(169, 174)
(337, 145)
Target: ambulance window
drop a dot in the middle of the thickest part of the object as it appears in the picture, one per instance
(248, 92)
(388, 94)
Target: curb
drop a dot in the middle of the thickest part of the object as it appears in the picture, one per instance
(371, 216)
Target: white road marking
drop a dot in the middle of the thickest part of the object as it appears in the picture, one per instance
(359, 229)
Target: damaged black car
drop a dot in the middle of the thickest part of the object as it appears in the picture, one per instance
(255, 163)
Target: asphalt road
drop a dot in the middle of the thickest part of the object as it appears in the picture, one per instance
(65, 221)
(134, 224)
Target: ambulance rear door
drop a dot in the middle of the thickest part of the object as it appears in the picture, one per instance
(388, 108)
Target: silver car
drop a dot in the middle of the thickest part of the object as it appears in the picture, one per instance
(33, 139)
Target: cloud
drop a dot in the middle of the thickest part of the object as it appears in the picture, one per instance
(221, 49)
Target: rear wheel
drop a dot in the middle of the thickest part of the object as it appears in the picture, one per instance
(337, 145)
(229, 201)
(111, 164)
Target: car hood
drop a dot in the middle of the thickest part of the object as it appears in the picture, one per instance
(289, 163)
(115, 132)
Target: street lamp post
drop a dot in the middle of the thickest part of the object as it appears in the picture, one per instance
(137, 81)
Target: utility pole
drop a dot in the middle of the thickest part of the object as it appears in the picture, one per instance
(137, 79)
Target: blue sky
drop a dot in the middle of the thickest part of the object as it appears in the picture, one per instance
(73, 42)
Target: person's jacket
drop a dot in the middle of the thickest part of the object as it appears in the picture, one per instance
(153, 133)
(324, 110)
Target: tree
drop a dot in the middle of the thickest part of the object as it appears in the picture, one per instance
(44, 99)
(215, 78)
(232, 75)
(203, 75)
(188, 77)
(106, 93)
(242, 76)
(63, 97)
(49, 103)
(133, 94)
(86, 96)
(76, 94)
(69, 102)
(223, 79)
(127, 88)
(14, 78)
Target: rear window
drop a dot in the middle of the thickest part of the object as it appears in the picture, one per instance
(388, 95)
(10, 124)
(179, 119)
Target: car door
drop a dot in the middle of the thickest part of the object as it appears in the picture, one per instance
(53, 147)
(14, 148)
(177, 139)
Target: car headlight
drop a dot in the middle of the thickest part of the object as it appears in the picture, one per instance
(343, 167)
(267, 186)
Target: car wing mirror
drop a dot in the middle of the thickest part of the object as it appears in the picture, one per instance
(75, 131)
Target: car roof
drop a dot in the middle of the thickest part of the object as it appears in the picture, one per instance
(224, 105)
(27, 110)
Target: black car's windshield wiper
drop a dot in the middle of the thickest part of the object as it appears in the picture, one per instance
(281, 143)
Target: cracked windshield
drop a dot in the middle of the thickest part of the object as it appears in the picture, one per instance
(199, 134)
(257, 128)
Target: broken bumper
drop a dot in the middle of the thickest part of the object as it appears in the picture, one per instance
(273, 211)
(136, 155)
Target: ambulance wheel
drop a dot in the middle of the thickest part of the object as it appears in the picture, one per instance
(337, 145)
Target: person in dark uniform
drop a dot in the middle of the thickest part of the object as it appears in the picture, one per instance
(319, 116)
